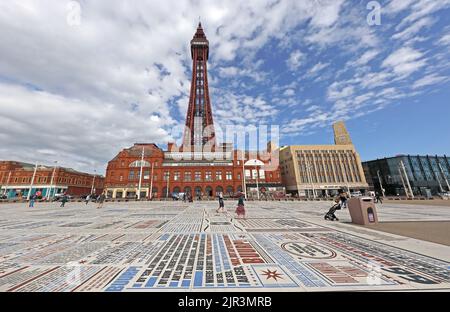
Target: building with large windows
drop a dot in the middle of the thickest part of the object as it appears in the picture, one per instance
(17, 179)
(164, 174)
(322, 170)
(200, 166)
(408, 175)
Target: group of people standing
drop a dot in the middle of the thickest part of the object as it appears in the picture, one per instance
(188, 197)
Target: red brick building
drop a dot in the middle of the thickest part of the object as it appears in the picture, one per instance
(200, 166)
(16, 180)
(164, 174)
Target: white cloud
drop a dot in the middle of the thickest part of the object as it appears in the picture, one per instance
(289, 92)
(429, 80)
(404, 61)
(317, 68)
(423, 8)
(40, 126)
(326, 12)
(396, 6)
(414, 28)
(124, 74)
(366, 57)
(295, 60)
(336, 91)
(241, 109)
(445, 39)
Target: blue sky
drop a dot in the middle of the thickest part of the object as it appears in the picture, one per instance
(80, 80)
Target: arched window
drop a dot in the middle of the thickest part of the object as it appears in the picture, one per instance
(176, 190)
(229, 190)
(188, 190)
(209, 191)
(198, 191)
(137, 164)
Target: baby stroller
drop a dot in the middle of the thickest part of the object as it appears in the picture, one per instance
(330, 216)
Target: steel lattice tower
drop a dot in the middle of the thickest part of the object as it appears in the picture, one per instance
(199, 121)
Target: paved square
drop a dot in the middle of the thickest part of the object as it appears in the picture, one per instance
(158, 246)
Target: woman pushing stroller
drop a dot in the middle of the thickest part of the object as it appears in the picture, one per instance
(340, 203)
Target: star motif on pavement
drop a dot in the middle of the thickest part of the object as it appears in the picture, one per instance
(273, 275)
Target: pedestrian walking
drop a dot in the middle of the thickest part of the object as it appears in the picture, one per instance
(378, 198)
(343, 197)
(221, 203)
(240, 210)
(32, 200)
(88, 199)
(64, 200)
(100, 201)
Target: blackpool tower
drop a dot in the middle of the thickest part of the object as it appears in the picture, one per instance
(199, 129)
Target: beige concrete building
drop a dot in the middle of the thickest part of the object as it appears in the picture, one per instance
(323, 170)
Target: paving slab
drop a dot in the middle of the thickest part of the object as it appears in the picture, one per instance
(175, 246)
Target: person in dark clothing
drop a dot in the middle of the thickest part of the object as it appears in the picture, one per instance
(343, 197)
(240, 210)
(378, 198)
(32, 200)
(221, 204)
(88, 199)
(64, 200)
(340, 203)
(100, 201)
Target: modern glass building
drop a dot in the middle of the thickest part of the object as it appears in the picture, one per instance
(423, 175)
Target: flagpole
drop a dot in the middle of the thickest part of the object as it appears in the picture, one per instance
(140, 175)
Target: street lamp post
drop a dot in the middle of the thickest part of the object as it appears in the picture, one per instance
(257, 181)
(255, 163)
(140, 173)
(344, 175)
(32, 181)
(243, 175)
(168, 184)
(381, 184)
(93, 182)
(51, 181)
(7, 183)
(151, 182)
(308, 172)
